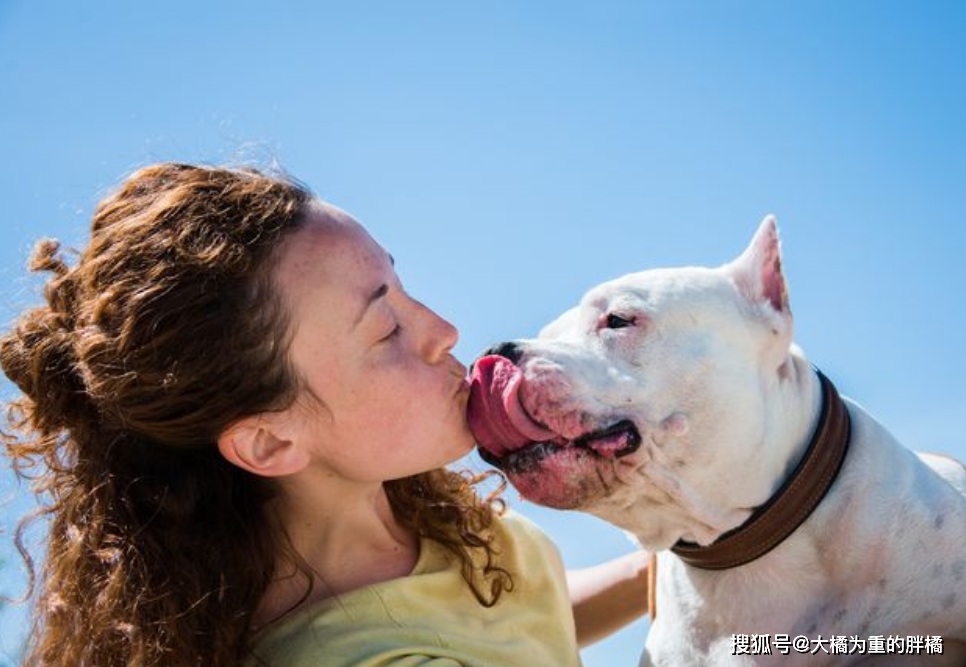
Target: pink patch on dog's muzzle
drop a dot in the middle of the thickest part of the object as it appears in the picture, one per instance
(495, 415)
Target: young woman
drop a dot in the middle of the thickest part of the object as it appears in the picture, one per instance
(240, 421)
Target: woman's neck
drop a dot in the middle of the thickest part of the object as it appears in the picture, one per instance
(347, 535)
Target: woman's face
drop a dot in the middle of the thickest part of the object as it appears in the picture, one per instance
(393, 397)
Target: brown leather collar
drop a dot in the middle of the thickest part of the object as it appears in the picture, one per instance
(798, 497)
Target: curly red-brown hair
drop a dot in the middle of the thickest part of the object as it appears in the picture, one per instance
(164, 332)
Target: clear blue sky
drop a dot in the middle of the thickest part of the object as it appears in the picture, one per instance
(511, 155)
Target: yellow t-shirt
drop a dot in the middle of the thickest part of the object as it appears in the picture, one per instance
(432, 619)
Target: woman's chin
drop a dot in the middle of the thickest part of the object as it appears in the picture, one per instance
(460, 445)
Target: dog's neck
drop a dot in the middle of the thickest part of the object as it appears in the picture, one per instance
(793, 405)
(776, 520)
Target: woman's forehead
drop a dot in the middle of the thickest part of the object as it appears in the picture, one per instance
(330, 251)
(321, 210)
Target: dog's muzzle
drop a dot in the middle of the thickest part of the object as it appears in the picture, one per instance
(615, 441)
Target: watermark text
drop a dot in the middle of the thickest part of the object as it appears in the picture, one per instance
(836, 644)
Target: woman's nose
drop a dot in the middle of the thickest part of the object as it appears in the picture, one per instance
(440, 336)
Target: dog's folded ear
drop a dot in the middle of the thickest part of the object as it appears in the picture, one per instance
(758, 271)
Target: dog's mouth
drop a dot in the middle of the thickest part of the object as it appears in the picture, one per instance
(613, 442)
(510, 439)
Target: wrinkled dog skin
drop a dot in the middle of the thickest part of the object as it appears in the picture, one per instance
(672, 403)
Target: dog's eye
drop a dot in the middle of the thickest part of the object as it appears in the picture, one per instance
(617, 322)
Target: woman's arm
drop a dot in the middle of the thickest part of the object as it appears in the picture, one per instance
(608, 596)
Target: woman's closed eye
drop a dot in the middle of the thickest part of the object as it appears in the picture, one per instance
(391, 335)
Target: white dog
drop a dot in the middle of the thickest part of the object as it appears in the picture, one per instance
(673, 404)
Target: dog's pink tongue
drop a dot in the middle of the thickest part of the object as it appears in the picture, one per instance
(498, 421)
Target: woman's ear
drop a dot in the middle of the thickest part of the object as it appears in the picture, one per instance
(254, 445)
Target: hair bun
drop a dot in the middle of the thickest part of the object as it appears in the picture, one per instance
(39, 354)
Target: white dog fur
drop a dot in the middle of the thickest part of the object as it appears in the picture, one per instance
(725, 404)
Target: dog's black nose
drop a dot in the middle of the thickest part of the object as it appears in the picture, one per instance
(508, 350)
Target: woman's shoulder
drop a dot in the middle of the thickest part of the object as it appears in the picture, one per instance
(523, 534)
